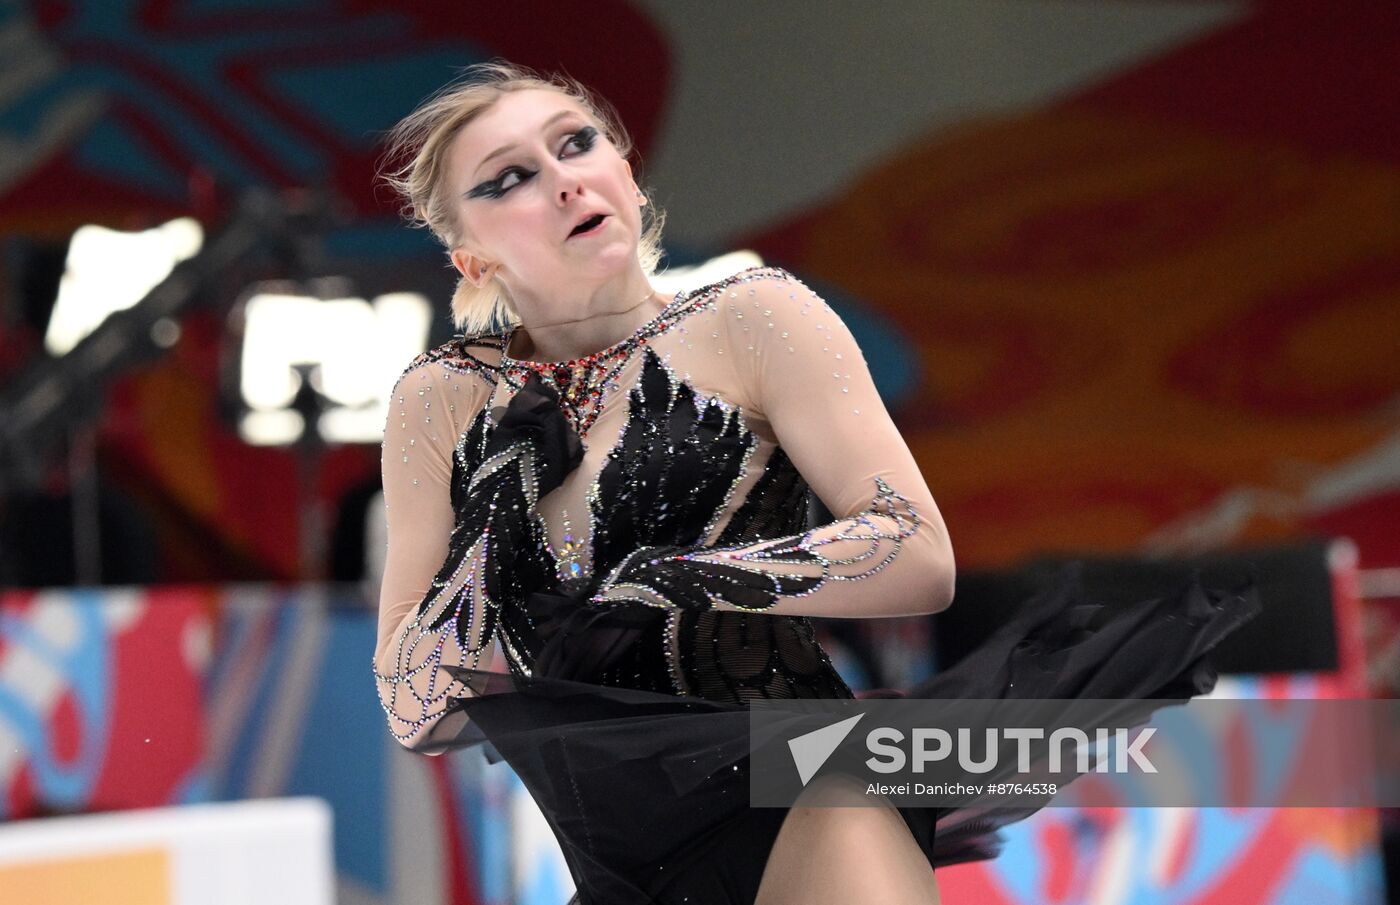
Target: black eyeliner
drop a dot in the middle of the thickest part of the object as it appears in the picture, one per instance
(587, 136)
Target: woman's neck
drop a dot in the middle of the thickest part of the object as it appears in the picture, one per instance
(566, 340)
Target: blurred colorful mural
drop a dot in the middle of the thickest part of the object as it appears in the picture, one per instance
(126, 698)
(1140, 288)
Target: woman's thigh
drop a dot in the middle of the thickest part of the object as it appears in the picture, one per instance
(828, 853)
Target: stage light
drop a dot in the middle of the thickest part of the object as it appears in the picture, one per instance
(349, 350)
(108, 271)
(352, 351)
(679, 279)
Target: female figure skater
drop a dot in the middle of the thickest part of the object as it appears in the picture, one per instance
(613, 488)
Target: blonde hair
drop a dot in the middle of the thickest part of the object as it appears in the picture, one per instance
(417, 157)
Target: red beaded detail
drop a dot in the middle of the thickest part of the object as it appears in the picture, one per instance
(584, 384)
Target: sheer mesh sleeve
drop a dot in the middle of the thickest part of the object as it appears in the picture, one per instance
(434, 606)
(887, 553)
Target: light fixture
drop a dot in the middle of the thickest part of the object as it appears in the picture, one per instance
(681, 279)
(108, 271)
(350, 350)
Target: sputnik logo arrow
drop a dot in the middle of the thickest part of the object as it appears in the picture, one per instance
(811, 750)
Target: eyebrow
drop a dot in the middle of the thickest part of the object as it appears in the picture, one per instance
(507, 148)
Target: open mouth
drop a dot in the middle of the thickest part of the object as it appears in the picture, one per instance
(588, 225)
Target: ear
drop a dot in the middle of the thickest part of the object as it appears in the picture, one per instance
(641, 198)
(470, 266)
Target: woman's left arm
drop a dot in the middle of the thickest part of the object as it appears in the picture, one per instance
(886, 554)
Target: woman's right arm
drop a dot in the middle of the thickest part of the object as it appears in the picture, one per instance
(431, 606)
(448, 567)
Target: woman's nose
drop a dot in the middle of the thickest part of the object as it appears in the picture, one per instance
(569, 187)
(566, 182)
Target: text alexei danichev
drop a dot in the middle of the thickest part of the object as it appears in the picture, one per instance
(963, 789)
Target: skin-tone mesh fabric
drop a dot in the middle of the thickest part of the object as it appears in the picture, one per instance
(702, 434)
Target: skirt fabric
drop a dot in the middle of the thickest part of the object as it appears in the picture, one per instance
(648, 794)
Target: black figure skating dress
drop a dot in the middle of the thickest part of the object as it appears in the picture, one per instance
(631, 529)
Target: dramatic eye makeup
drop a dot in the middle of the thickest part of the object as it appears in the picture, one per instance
(583, 138)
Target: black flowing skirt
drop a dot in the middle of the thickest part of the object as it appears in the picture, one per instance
(648, 794)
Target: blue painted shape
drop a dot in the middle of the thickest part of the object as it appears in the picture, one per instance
(197, 62)
(196, 788)
(1319, 875)
(25, 116)
(184, 127)
(341, 755)
(1220, 836)
(236, 627)
(85, 670)
(110, 149)
(483, 797)
(546, 884)
(1021, 864)
(385, 239)
(193, 9)
(243, 753)
(363, 97)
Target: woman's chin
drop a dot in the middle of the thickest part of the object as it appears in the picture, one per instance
(606, 257)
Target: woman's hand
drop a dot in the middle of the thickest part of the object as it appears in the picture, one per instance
(533, 417)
